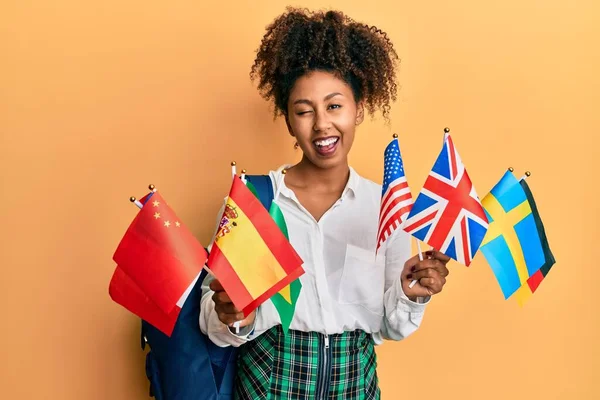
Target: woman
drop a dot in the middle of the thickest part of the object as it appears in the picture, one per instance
(323, 71)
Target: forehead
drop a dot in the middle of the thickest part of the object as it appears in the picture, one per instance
(318, 84)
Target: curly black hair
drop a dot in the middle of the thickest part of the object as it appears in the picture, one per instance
(299, 41)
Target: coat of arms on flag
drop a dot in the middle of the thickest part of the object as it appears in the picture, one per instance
(447, 213)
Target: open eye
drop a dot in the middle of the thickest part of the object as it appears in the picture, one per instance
(334, 106)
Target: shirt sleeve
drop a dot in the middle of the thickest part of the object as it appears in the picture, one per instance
(402, 316)
(218, 332)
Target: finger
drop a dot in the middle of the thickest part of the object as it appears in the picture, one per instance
(433, 285)
(437, 255)
(432, 264)
(424, 273)
(411, 262)
(229, 319)
(216, 286)
(227, 308)
(221, 298)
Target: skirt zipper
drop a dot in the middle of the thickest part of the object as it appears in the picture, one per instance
(324, 376)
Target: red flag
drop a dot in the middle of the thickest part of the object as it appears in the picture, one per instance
(160, 254)
(125, 292)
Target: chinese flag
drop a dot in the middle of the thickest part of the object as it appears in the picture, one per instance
(159, 254)
(125, 292)
(251, 256)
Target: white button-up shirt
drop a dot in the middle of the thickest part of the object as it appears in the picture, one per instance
(345, 285)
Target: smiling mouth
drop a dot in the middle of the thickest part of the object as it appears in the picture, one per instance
(326, 146)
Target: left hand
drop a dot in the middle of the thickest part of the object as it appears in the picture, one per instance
(430, 274)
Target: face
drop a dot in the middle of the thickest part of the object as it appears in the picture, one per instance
(322, 116)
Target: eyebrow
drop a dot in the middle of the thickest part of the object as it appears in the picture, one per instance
(329, 96)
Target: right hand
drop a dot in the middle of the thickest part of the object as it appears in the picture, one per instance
(225, 308)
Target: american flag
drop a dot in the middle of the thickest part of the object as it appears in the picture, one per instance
(447, 213)
(396, 199)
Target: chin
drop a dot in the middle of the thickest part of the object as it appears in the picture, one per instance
(327, 162)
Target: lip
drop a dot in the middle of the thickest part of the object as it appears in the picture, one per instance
(329, 151)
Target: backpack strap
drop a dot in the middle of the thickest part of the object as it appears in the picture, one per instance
(264, 188)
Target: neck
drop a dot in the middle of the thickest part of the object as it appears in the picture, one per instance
(334, 178)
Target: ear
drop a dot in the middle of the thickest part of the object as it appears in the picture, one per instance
(360, 113)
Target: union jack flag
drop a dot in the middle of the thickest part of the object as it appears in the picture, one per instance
(396, 199)
(447, 213)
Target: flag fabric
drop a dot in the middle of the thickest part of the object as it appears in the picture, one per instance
(533, 282)
(124, 291)
(286, 299)
(396, 199)
(160, 254)
(512, 245)
(447, 213)
(250, 255)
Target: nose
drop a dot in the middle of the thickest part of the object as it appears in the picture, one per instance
(322, 122)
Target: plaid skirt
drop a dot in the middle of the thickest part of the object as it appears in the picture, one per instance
(307, 365)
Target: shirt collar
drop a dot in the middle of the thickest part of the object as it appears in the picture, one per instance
(353, 181)
(351, 185)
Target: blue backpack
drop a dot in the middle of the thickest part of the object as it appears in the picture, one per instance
(188, 365)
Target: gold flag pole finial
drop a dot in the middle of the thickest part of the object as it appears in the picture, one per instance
(446, 130)
(395, 136)
(233, 170)
(511, 169)
(152, 188)
(526, 175)
(136, 202)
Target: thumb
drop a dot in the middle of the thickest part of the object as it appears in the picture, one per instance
(216, 286)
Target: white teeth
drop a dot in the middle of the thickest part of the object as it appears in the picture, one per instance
(326, 142)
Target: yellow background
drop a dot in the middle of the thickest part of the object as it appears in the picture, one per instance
(98, 99)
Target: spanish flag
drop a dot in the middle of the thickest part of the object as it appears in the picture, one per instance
(250, 255)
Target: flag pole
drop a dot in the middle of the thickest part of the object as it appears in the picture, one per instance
(236, 324)
(414, 282)
(527, 175)
(136, 202)
(279, 184)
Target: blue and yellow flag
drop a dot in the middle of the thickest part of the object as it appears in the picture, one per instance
(512, 245)
(526, 291)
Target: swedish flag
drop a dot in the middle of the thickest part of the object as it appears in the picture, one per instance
(512, 245)
(534, 281)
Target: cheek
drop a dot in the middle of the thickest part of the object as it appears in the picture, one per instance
(347, 122)
(301, 128)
